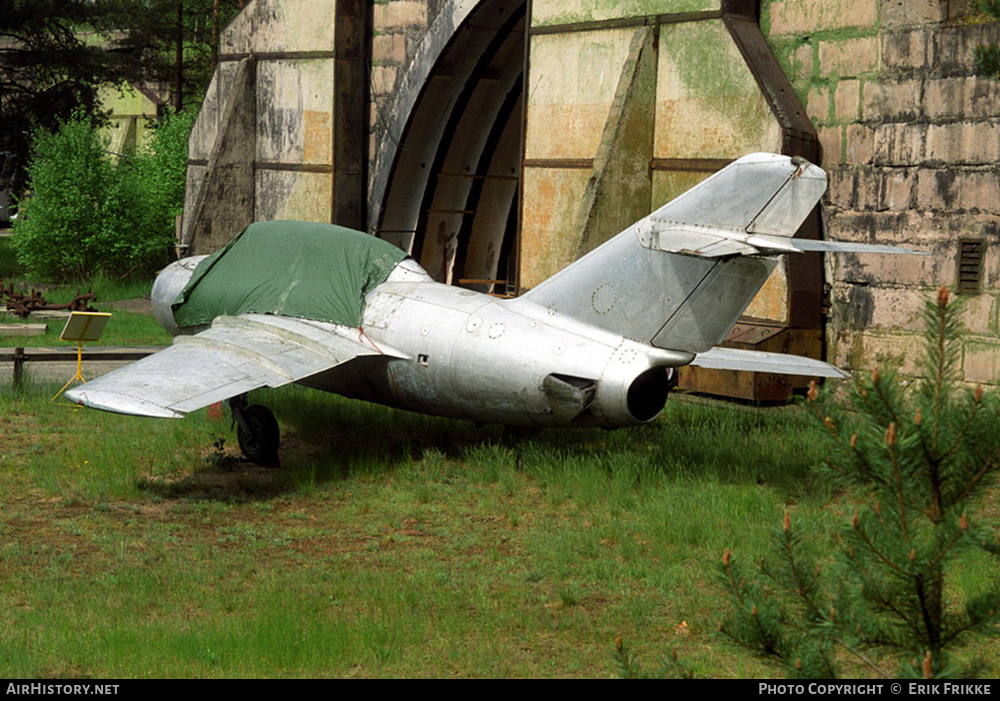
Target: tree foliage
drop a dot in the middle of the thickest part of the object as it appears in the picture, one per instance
(988, 55)
(88, 214)
(180, 39)
(887, 600)
(54, 54)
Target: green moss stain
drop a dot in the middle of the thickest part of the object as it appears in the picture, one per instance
(573, 11)
(714, 80)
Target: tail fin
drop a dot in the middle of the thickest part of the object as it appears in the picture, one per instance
(680, 278)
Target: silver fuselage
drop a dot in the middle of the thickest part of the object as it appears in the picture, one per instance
(488, 360)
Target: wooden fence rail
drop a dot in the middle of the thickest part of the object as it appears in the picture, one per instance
(20, 355)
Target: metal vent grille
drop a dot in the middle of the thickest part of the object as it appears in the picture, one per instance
(970, 265)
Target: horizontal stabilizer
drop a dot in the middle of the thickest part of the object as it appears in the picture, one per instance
(707, 242)
(759, 361)
(848, 247)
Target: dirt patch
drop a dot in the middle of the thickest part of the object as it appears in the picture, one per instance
(136, 306)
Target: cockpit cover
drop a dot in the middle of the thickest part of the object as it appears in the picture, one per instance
(290, 268)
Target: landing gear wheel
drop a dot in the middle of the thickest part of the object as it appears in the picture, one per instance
(258, 434)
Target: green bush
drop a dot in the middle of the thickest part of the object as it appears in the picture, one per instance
(87, 215)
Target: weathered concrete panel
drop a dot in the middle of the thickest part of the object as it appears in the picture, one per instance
(549, 239)
(968, 143)
(771, 303)
(572, 85)
(908, 49)
(708, 104)
(671, 183)
(274, 26)
(899, 144)
(572, 11)
(959, 192)
(400, 14)
(846, 58)
(219, 199)
(619, 191)
(981, 360)
(980, 316)
(971, 97)
(877, 308)
(900, 13)
(900, 100)
(868, 349)
(213, 109)
(295, 111)
(293, 195)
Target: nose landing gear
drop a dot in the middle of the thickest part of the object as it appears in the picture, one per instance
(257, 431)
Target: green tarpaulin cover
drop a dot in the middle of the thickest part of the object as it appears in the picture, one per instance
(290, 268)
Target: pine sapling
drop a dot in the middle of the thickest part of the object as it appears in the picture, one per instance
(914, 462)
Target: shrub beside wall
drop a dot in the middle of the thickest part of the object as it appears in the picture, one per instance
(90, 213)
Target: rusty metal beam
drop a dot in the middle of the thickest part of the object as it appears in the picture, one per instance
(295, 167)
(587, 163)
(689, 165)
(279, 56)
(625, 22)
(352, 41)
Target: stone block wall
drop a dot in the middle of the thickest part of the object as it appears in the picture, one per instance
(911, 139)
(398, 26)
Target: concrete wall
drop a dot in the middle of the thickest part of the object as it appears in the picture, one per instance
(132, 110)
(282, 131)
(911, 139)
(630, 102)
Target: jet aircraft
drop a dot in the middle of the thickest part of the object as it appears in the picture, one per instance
(597, 344)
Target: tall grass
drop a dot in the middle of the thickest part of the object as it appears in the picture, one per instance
(389, 544)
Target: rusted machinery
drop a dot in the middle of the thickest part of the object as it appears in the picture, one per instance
(23, 304)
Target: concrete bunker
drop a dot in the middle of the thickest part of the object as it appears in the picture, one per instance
(513, 138)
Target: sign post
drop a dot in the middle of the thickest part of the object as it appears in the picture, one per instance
(80, 327)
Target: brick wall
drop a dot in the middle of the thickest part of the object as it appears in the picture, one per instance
(911, 140)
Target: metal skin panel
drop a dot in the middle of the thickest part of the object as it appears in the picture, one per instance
(784, 191)
(651, 283)
(593, 346)
(759, 361)
(234, 356)
(486, 360)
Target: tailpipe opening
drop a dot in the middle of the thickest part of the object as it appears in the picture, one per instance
(647, 395)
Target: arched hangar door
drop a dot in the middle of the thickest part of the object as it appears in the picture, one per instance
(451, 196)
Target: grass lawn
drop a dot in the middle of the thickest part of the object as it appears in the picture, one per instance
(388, 545)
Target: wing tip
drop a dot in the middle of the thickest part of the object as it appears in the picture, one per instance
(119, 403)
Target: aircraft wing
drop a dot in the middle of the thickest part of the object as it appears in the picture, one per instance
(233, 356)
(759, 361)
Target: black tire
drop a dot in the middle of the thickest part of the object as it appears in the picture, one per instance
(259, 442)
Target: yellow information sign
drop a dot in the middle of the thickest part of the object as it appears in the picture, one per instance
(84, 326)
(80, 327)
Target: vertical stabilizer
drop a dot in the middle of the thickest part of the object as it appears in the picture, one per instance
(682, 276)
